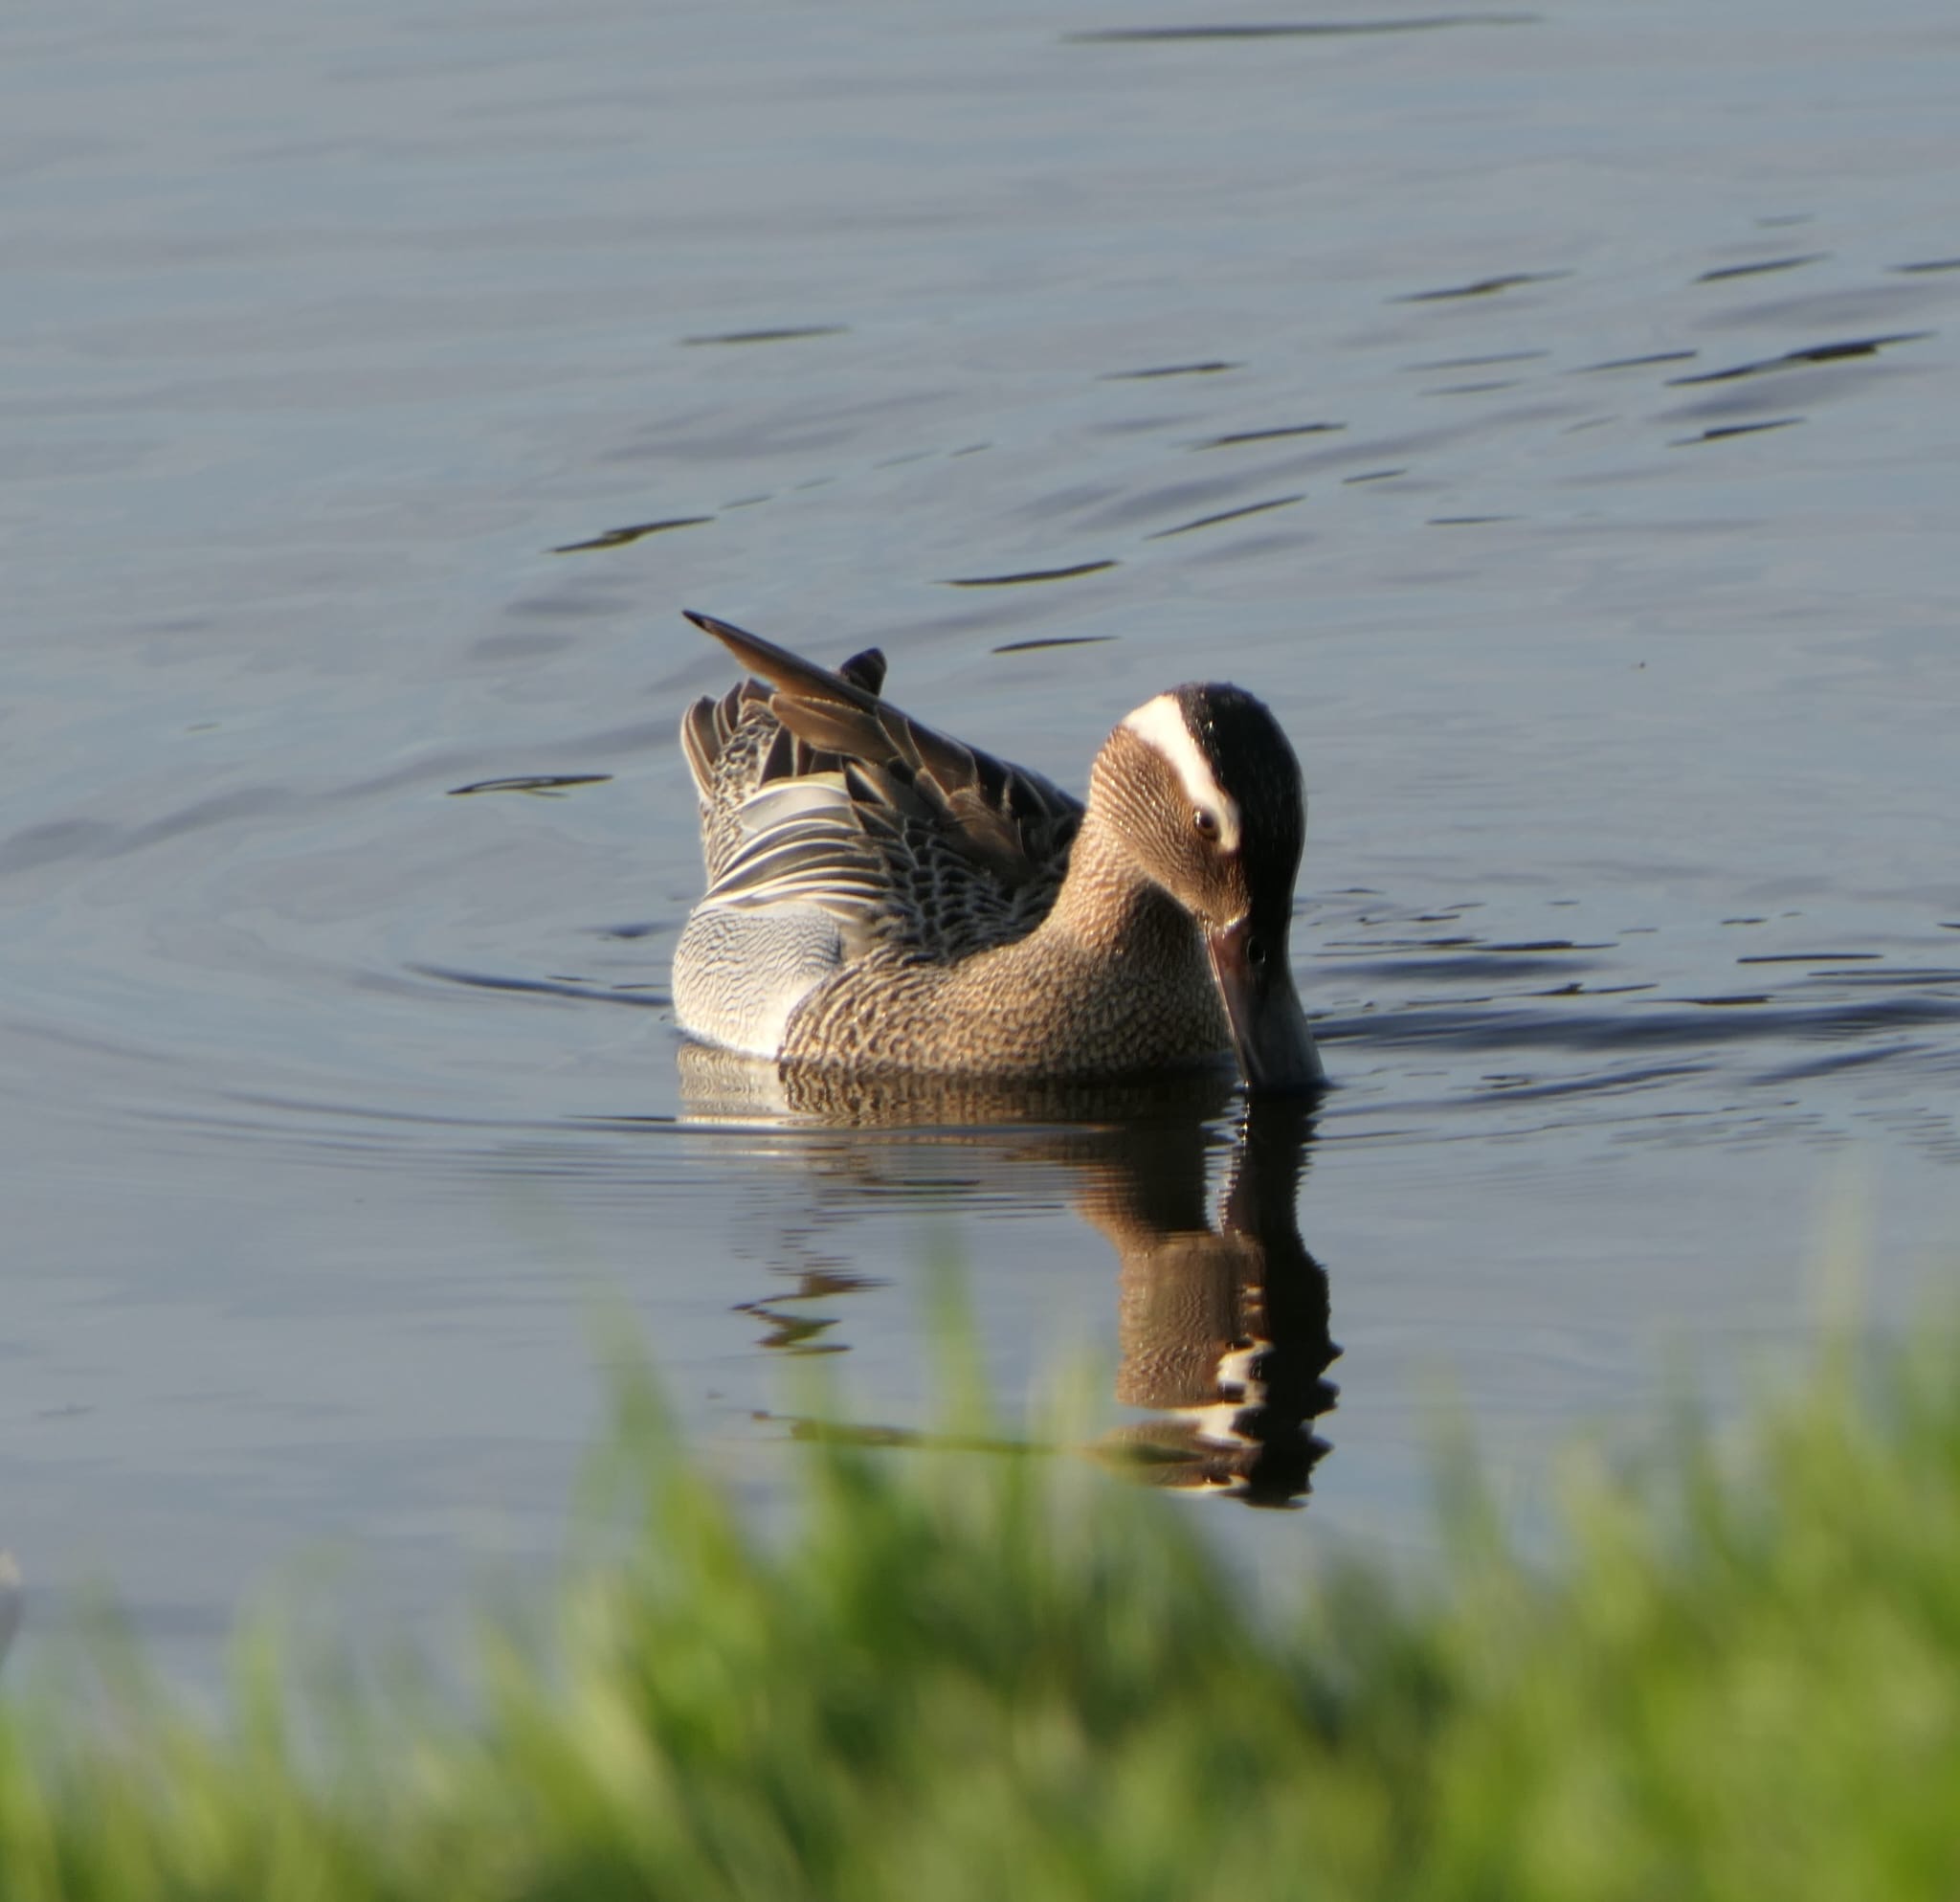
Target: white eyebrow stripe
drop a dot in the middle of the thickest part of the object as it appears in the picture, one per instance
(1160, 724)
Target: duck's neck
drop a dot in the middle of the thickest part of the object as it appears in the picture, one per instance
(1106, 903)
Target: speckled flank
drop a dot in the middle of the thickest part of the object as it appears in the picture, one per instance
(1131, 993)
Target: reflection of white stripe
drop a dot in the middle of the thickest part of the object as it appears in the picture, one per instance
(1160, 723)
(10, 1600)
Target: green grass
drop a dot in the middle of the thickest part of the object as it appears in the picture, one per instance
(972, 1678)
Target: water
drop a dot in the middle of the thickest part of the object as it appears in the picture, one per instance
(1548, 412)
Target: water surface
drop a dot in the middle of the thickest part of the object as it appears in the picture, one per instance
(1548, 412)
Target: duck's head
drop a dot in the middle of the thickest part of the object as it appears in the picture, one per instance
(1204, 791)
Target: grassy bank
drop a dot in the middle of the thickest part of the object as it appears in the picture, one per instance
(990, 1679)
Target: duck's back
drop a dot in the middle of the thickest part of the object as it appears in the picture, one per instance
(841, 839)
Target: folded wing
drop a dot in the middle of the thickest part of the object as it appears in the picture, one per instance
(815, 790)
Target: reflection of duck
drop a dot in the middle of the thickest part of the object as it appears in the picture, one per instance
(1222, 1331)
(720, 1086)
(883, 899)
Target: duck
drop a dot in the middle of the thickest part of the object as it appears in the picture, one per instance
(883, 901)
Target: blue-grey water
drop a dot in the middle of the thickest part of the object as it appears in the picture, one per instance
(1549, 412)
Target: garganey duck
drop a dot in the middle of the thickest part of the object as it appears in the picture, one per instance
(883, 899)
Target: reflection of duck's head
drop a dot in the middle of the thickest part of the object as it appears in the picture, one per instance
(1204, 792)
(1223, 1331)
(11, 1600)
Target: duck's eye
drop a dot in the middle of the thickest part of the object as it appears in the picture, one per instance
(1206, 824)
(1255, 953)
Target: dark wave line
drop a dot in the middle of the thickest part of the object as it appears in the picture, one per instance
(1027, 575)
(1295, 29)
(1672, 1022)
(546, 987)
